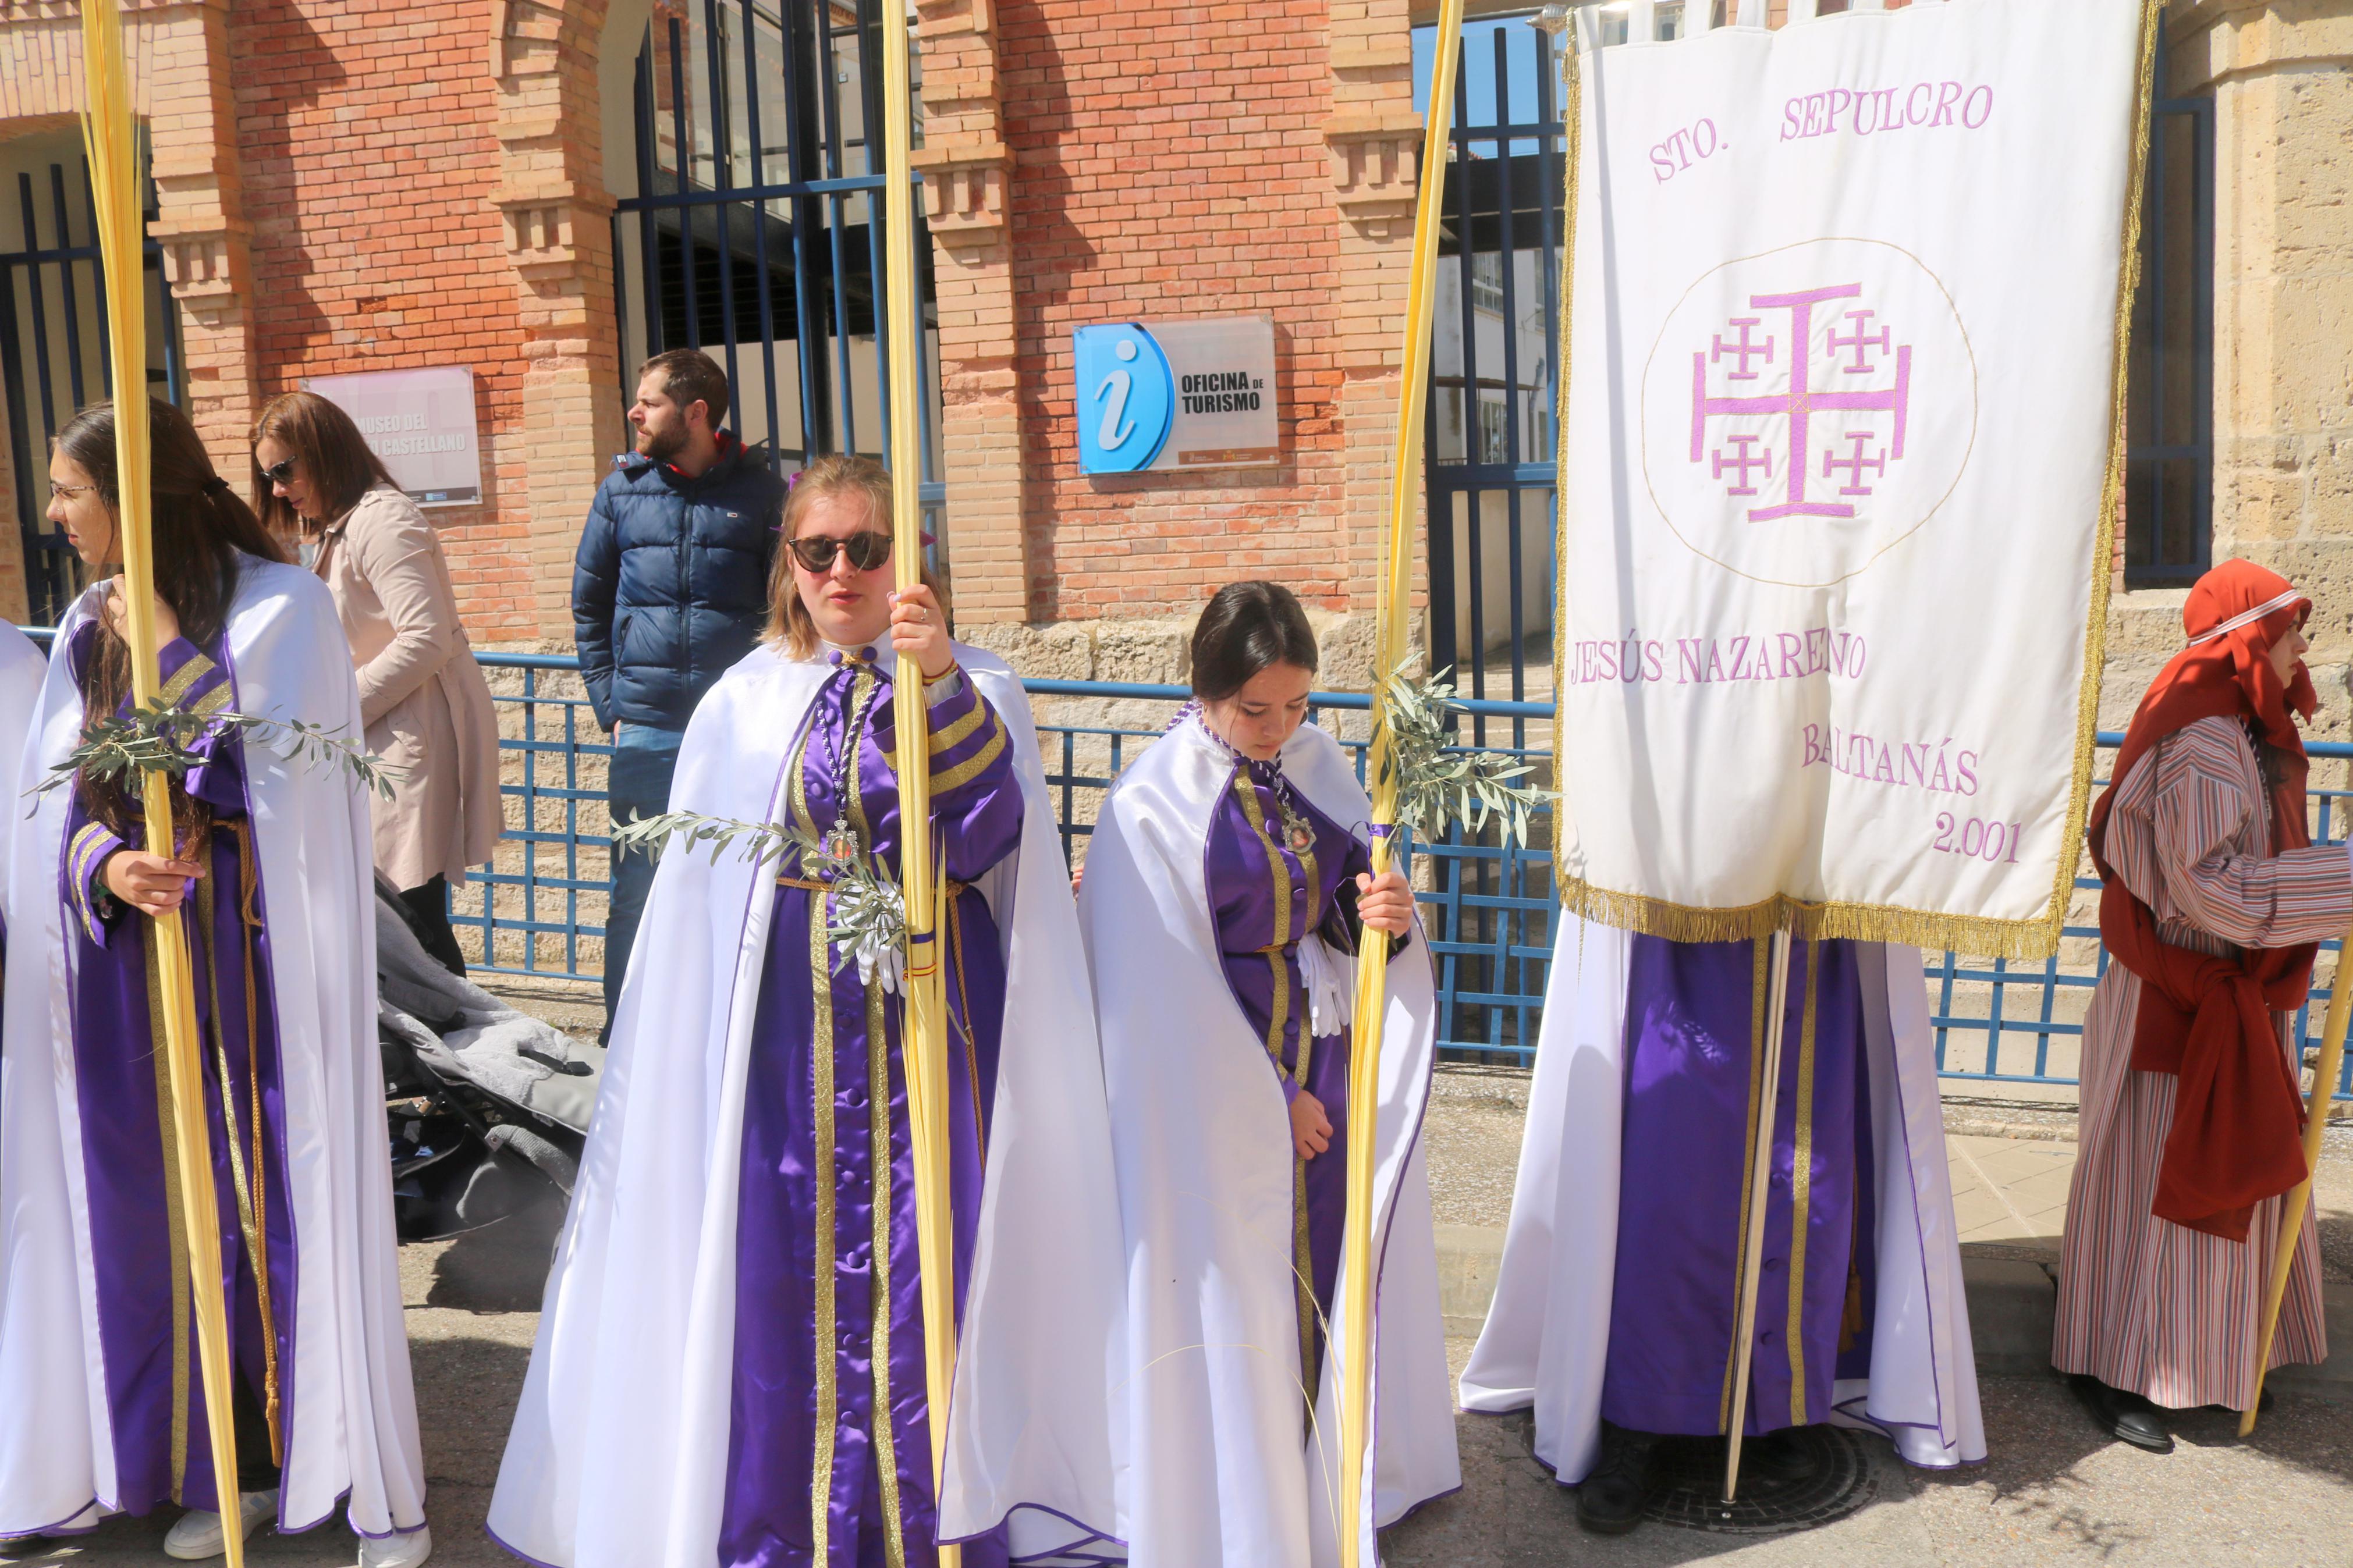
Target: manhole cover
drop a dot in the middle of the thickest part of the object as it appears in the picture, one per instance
(1789, 1480)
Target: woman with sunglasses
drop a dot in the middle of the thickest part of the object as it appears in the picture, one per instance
(101, 1403)
(731, 1361)
(422, 696)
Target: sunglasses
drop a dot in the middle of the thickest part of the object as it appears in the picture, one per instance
(866, 550)
(279, 473)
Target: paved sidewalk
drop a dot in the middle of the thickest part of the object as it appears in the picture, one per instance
(2053, 1492)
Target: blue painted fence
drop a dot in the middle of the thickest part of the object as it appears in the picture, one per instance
(1490, 911)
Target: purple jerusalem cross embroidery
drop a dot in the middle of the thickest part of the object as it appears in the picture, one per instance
(1801, 403)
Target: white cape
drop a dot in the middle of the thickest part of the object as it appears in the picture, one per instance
(1216, 1468)
(350, 1411)
(1547, 1338)
(618, 1455)
(20, 698)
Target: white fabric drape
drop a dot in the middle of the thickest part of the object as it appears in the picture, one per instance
(619, 1447)
(1841, 390)
(350, 1410)
(1215, 1465)
(1546, 1340)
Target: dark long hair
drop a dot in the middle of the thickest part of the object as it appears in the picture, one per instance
(1249, 628)
(329, 449)
(200, 528)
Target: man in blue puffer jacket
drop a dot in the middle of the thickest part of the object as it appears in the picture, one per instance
(671, 588)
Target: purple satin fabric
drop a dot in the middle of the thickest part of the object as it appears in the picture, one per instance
(771, 1452)
(1248, 873)
(126, 1142)
(1672, 1314)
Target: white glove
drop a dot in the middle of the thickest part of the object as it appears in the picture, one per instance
(881, 960)
(1330, 980)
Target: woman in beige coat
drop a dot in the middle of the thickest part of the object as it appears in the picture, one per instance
(422, 696)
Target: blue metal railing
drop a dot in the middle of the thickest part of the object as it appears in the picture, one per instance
(2050, 1028)
(1492, 911)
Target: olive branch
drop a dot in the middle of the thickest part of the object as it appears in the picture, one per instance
(866, 912)
(160, 737)
(1439, 782)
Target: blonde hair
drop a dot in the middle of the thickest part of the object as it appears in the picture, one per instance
(828, 479)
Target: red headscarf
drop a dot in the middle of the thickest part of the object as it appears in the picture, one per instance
(2238, 1111)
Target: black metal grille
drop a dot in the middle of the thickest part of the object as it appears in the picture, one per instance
(2170, 403)
(757, 230)
(54, 351)
(1488, 443)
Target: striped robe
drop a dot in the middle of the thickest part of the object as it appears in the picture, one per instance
(2144, 1304)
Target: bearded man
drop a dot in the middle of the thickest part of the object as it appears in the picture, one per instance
(669, 591)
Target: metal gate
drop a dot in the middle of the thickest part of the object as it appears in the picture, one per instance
(1488, 447)
(756, 232)
(54, 348)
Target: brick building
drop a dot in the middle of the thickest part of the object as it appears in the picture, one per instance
(344, 185)
(543, 191)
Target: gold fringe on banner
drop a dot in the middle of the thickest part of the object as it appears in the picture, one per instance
(2036, 937)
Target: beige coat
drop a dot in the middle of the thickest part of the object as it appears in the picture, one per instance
(422, 696)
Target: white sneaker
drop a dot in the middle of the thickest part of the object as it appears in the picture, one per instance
(198, 1534)
(397, 1551)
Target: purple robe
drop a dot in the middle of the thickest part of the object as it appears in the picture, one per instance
(155, 1388)
(1694, 1034)
(1266, 894)
(828, 1298)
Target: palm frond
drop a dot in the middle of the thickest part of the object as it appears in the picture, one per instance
(1439, 782)
(866, 910)
(162, 737)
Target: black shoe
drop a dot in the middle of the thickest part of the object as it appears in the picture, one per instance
(1777, 1461)
(1609, 1501)
(2123, 1415)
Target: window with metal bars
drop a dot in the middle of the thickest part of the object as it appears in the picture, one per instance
(54, 348)
(755, 232)
(2169, 388)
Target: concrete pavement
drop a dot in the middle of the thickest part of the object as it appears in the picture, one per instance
(2053, 1492)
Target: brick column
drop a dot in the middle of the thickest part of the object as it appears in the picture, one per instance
(200, 221)
(1375, 135)
(965, 168)
(558, 220)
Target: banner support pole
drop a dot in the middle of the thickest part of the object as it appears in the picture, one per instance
(1760, 1175)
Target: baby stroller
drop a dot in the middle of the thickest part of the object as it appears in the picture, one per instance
(487, 1107)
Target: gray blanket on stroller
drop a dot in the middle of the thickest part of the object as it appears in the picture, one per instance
(462, 1033)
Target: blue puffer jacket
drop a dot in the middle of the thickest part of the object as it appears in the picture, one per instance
(670, 585)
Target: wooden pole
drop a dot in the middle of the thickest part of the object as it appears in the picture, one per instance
(1396, 588)
(110, 136)
(2316, 1126)
(923, 1040)
(1760, 1181)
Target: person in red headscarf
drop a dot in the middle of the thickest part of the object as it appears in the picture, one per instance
(2215, 902)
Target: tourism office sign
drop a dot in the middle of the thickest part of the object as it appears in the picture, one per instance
(1157, 396)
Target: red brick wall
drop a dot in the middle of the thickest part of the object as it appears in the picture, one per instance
(1152, 179)
(364, 129)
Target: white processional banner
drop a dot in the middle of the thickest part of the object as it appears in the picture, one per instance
(1839, 455)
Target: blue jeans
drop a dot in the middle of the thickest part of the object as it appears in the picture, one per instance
(644, 758)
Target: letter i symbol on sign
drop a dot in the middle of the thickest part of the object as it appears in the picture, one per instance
(1113, 393)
